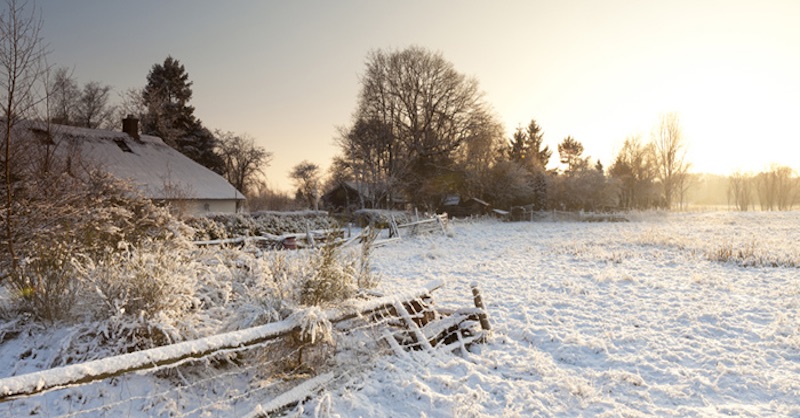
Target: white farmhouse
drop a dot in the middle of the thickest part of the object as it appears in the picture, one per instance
(158, 170)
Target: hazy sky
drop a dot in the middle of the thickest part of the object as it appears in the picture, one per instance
(287, 73)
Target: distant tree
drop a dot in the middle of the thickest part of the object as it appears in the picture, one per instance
(670, 157)
(263, 197)
(635, 172)
(68, 105)
(740, 191)
(518, 147)
(62, 93)
(306, 177)
(243, 161)
(527, 146)
(539, 153)
(92, 107)
(583, 188)
(777, 188)
(569, 152)
(475, 159)
(429, 111)
(370, 153)
(513, 184)
(131, 103)
(170, 116)
(339, 172)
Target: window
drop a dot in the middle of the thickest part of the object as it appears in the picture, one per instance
(122, 145)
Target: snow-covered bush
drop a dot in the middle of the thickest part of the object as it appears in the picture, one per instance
(257, 287)
(333, 280)
(226, 225)
(141, 281)
(75, 220)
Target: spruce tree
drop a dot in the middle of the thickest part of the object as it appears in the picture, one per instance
(518, 148)
(170, 117)
(540, 155)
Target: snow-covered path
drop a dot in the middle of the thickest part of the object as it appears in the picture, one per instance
(594, 319)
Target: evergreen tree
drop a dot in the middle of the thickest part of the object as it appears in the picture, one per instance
(540, 156)
(170, 117)
(526, 147)
(519, 146)
(570, 151)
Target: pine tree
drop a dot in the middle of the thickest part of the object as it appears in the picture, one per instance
(535, 141)
(519, 146)
(170, 117)
(570, 152)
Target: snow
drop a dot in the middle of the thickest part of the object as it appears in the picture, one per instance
(588, 319)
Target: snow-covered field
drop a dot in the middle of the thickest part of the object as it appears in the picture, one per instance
(668, 315)
(602, 319)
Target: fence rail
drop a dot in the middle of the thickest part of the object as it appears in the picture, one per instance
(417, 325)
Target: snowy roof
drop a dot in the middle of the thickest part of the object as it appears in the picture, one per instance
(160, 171)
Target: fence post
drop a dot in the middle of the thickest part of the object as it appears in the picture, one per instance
(483, 317)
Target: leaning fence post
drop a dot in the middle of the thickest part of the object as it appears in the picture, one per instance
(483, 317)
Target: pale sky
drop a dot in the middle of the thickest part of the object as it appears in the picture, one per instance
(287, 73)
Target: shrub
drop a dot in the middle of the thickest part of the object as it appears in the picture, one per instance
(77, 220)
(219, 225)
(333, 279)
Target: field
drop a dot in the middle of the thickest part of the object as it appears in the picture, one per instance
(685, 314)
(668, 315)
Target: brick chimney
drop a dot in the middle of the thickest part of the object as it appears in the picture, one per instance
(130, 125)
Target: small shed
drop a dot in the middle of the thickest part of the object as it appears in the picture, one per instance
(346, 196)
(455, 207)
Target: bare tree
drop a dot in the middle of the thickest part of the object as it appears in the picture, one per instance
(372, 155)
(243, 160)
(92, 107)
(740, 191)
(22, 67)
(306, 177)
(131, 103)
(777, 188)
(670, 157)
(62, 95)
(634, 168)
(263, 197)
(476, 158)
(430, 111)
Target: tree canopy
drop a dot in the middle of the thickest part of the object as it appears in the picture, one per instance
(415, 112)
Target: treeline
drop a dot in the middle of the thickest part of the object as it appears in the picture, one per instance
(422, 131)
(774, 189)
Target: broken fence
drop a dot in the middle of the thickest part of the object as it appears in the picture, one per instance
(252, 371)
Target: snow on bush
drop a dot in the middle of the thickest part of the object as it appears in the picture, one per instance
(333, 279)
(230, 225)
(86, 218)
(133, 299)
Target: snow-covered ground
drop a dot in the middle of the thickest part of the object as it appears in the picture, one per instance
(668, 315)
(601, 319)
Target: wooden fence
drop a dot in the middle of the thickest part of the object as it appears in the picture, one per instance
(422, 327)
